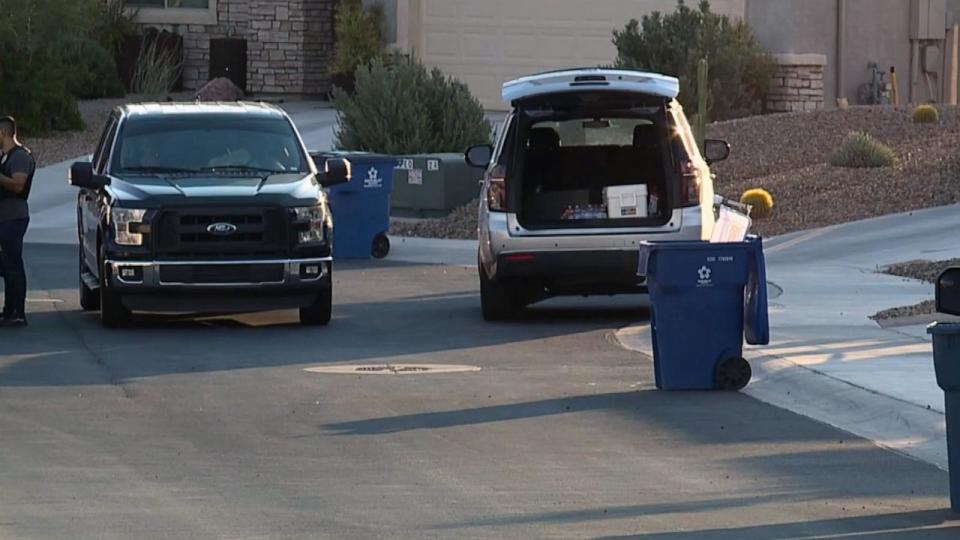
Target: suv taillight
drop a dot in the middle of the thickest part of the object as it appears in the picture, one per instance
(497, 189)
(689, 185)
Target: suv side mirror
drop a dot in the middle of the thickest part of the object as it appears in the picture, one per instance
(948, 292)
(715, 150)
(81, 175)
(479, 155)
(336, 171)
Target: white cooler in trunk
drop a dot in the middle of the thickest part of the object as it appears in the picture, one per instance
(626, 201)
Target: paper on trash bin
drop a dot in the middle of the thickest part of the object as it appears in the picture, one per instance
(731, 226)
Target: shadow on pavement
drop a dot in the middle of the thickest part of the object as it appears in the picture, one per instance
(708, 420)
(628, 511)
(382, 311)
(901, 526)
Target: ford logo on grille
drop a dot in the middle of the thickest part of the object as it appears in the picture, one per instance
(221, 229)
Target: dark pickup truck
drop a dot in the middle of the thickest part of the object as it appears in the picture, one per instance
(204, 208)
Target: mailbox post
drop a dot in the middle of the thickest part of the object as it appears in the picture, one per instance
(946, 360)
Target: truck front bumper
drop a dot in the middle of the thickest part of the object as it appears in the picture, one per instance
(216, 274)
(219, 285)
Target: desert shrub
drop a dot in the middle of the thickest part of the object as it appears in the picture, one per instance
(157, 68)
(406, 109)
(113, 22)
(50, 54)
(35, 92)
(859, 150)
(926, 114)
(760, 201)
(91, 71)
(359, 36)
(672, 44)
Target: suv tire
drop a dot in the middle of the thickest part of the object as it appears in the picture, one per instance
(320, 311)
(113, 314)
(499, 301)
(89, 298)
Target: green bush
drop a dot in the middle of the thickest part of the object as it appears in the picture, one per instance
(92, 71)
(113, 22)
(359, 37)
(406, 109)
(861, 151)
(35, 92)
(45, 68)
(672, 44)
(926, 114)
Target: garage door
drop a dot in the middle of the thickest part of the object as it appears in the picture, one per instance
(487, 42)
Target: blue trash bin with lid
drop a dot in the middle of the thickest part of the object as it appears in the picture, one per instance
(705, 298)
(361, 207)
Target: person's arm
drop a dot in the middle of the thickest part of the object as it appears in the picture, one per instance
(19, 171)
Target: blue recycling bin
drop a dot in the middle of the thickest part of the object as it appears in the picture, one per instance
(361, 207)
(705, 298)
(946, 362)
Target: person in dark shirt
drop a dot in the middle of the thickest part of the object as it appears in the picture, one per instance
(16, 178)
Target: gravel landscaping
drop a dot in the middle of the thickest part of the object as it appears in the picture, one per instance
(927, 271)
(786, 154)
(926, 307)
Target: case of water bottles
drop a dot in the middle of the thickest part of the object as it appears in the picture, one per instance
(585, 211)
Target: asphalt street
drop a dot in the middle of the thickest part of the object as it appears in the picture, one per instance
(214, 428)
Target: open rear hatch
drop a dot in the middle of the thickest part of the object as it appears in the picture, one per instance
(585, 158)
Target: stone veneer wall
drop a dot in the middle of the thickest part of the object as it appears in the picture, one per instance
(798, 83)
(289, 44)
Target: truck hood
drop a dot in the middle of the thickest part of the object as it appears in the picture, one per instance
(154, 191)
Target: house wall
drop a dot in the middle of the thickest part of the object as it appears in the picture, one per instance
(874, 31)
(289, 44)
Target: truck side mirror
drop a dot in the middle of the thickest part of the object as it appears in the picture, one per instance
(81, 175)
(948, 292)
(336, 171)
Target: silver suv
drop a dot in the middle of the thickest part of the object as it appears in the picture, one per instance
(588, 164)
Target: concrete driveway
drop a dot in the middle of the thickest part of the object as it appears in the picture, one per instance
(218, 428)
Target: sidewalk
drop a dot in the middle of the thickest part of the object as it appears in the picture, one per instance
(827, 359)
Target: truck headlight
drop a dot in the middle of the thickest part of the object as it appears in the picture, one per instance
(126, 223)
(314, 218)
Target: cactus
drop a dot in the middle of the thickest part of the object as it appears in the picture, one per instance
(861, 151)
(760, 201)
(926, 114)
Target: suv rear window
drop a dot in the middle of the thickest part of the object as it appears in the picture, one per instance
(596, 132)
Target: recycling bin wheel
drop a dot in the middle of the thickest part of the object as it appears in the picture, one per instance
(381, 246)
(733, 374)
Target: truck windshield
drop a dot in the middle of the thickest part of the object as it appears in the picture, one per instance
(208, 143)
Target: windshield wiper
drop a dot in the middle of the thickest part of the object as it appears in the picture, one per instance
(242, 168)
(157, 169)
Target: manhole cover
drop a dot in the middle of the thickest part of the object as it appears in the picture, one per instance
(392, 369)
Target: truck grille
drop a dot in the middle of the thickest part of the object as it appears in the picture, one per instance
(257, 232)
(241, 273)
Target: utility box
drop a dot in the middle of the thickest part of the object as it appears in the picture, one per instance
(433, 185)
(928, 19)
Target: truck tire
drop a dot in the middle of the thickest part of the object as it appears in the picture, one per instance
(89, 298)
(498, 300)
(320, 311)
(113, 314)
